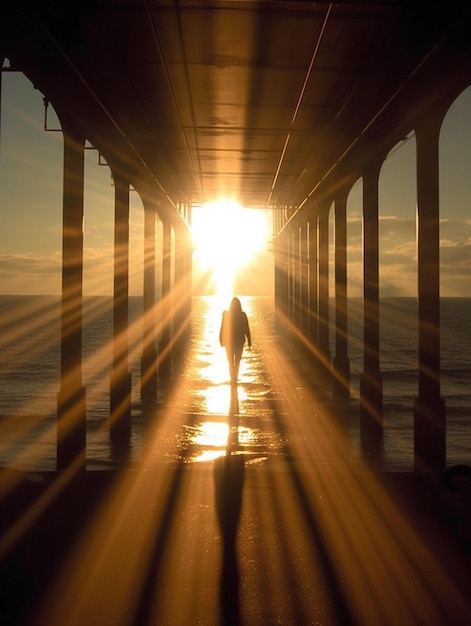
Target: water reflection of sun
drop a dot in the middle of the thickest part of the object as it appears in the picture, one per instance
(213, 399)
(212, 434)
(212, 438)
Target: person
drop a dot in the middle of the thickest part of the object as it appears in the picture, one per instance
(234, 330)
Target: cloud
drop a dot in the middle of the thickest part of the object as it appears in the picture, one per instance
(396, 228)
(42, 274)
(455, 258)
(98, 270)
(29, 264)
(455, 232)
(405, 252)
(27, 273)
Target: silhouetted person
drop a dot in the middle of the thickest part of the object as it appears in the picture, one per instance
(234, 331)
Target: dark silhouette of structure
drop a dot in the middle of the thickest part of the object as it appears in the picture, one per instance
(282, 105)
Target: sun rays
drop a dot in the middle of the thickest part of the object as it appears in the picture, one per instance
(317, 527)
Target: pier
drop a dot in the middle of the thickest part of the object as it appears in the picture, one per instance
(285, 107)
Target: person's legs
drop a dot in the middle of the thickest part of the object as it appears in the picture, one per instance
(237, 358)
(230, 360)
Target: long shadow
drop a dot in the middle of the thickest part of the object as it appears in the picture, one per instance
(229, 481)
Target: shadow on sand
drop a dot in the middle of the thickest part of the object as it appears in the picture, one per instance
(229, 482)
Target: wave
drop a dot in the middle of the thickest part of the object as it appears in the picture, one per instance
(396, 407)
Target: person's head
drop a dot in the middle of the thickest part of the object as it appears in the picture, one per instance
(236, 305)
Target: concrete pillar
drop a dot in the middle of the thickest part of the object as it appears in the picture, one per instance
(304, 279)
(298, 286)
(281, 279)
(323, 306)
(120, 380)
(371, 383)
(182, 292)
(278, 282)
(287, 234)
(313, 282)
(71, 399)
(291, 274)
(286, 272)
(186, 274)
(429, 407)
(188, 212)
(149, 353)
(341, 363)
(165, 348)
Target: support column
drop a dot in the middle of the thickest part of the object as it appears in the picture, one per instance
(371, 382)
(188, 212)
(165, 348)
(341, 363)
(324, 322)
(187, 285)
(281, 279)
(297, 276)
(71, 399)
(149, 353)
(313, 283)
(278, 286)
(120, 382)
(182, 292)
(288, 301)
(304, 278)
(429, 407)
(291, 275)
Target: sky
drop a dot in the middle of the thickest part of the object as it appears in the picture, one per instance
(397, 214)
(31, 210)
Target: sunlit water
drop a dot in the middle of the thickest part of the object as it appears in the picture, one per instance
(222, 418)
(214, 417)
(205, 419)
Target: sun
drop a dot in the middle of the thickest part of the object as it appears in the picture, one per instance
(226, 237)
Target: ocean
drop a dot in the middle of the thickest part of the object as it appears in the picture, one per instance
(29, 372)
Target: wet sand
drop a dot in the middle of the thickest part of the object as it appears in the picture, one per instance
(233, 543)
